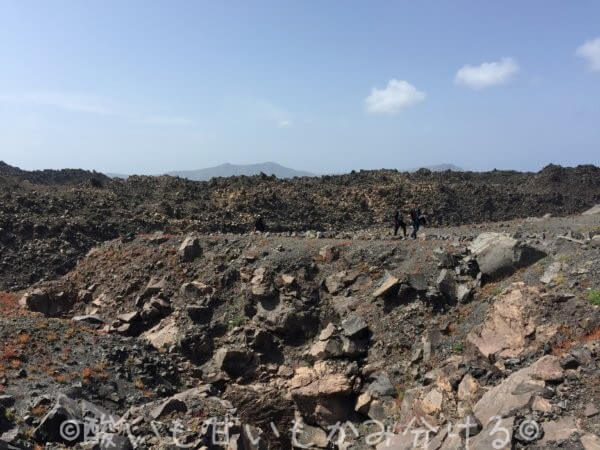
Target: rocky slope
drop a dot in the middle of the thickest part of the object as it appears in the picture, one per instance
(483, 335)
(49, 219)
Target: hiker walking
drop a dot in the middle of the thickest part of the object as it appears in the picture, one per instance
(259, 225)
(415, 218)
(399, 223)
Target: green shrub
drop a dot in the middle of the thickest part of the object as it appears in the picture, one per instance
(237, 321)
(594, 297)
(458, 347)
(496, 291)
(9, 414)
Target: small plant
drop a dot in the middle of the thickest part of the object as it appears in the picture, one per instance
(458, 347)
(560, 278)
(70, 332)
(29, 433)
(496, 291)
(9, 414)
(399, 394)
(51, 336)
(237, 321)
(594, 297)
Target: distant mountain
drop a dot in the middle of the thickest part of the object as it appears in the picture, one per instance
(230, 170)
(441, 168)
(269, 168)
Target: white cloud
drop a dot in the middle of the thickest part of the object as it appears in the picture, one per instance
(398, 94)
(591, 52)
(285, 124)
(487, 74)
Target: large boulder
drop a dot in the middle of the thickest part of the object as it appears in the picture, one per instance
(164, 335)
(497, 434)
(351, 341)
(446, 284)
(552, 272)
(195, 289)
(49, 304)
(388, 286)
(329, 253)
(155, 286)
(66, 421)
(468, 388)
(321, 395)
(340, 280)
(190, 249)
(235, 362)
(590, 441)
(180, 402)
(518, 390)
(558, 430)
(498, 254)
(512, 325)
(262, 283)
(330, 348)
(285, 320)
(354, 326)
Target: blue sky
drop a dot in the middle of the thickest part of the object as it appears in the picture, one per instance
(148, 86)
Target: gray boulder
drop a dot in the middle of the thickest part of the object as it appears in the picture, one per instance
(498, 254)
(387, 286)
(190, 249)
(112, 441)
(235, 362)
(65, 421)
(446, 284)
(382, 386)
(354, 326)
(48, 304)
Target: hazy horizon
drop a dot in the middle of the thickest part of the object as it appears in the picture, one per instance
(440, 166)
(153, 87)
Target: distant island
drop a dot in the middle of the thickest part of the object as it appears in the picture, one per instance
(231, 170)
(441, 168)
(268, 168)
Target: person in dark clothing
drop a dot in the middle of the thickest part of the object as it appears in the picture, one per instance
(422, 219)
(259, 225)
(399, 223)
(415, 218)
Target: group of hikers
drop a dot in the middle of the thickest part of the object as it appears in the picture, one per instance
(416, 217)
